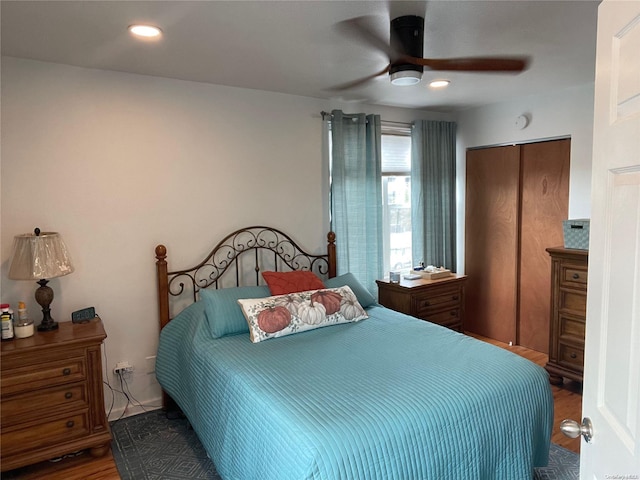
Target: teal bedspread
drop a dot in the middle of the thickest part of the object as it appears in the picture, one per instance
(390, 397)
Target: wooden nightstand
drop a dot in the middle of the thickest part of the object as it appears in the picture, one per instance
(439, 301)
(52, 400)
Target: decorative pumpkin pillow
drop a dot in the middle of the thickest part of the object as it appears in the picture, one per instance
(281, 283)
(282, 315)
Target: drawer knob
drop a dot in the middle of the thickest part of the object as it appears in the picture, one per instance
(66, 371)
(70, 424)
(453, 313)
(426, 304)
(455, 297)
(573, 355)
(576, 276)
(68, 395)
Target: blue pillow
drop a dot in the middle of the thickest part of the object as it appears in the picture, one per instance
(362, 294)
(223, 313)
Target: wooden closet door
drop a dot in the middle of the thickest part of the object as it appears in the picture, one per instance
(491, 243)
(544, 205)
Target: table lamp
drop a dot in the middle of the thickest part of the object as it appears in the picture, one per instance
(40, 256)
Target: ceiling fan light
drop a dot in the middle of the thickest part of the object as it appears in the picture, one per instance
(405, 77)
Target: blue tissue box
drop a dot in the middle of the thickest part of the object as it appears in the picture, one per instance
(576, 233)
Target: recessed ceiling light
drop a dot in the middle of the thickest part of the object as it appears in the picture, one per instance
(439, 83)
(147, 31)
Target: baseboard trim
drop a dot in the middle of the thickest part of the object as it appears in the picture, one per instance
(131, 410)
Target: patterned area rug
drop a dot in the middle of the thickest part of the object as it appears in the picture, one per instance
(156, 446)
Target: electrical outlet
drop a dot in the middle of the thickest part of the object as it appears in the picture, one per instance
(122, 368)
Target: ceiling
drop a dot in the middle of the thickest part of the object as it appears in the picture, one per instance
(293, 47)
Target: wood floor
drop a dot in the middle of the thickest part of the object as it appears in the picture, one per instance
(82, 467)
(567, 402)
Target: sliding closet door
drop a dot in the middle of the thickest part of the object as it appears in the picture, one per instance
(544, 205)
(491, 241)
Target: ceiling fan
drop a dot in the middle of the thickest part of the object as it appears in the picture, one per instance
(405, 53)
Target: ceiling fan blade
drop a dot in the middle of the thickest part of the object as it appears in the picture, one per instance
(471, 64)
(360, 30)
(361, 81)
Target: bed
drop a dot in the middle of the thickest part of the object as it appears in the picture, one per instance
(385, 397)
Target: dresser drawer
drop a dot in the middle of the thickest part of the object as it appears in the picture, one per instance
(571, 356)
(427, 303)
(571, 327)
(33, 377)
(573, 301)
(573, 275)
(447, 318)
(44, 433)
(34, 404)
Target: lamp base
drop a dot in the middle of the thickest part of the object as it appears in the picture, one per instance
(47, 327)
(44, 297)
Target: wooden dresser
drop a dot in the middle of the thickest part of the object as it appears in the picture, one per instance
(52, 400)
(568, 314)
(438, 301)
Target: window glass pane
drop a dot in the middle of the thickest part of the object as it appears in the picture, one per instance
(397, 221)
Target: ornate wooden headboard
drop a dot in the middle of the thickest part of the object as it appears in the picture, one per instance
(237, 260)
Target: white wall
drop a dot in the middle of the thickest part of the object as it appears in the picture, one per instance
(564, 113)
(118, 163)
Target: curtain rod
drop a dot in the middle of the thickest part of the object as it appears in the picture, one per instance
(328, 116)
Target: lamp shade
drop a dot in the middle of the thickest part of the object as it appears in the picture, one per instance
(39, 255)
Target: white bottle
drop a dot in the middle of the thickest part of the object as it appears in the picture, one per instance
(23, 326)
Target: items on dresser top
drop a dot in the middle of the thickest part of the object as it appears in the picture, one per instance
(429, 273)
(40, 256)
(51, 395)
(576, 233)
(23, 327)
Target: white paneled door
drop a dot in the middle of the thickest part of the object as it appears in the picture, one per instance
(611, 396)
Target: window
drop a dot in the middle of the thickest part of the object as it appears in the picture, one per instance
(396, 248)
(396, 198)
(373, 208)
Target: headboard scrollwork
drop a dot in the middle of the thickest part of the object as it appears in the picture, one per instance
(238, 260)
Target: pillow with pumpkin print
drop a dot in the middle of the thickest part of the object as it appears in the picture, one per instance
(282, 315)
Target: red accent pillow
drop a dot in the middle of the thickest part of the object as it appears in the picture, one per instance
(281, 283)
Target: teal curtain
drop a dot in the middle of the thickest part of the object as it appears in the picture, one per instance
(433, 193)
(356, 195)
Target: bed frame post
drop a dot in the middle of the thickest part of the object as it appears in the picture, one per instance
(168, 404)
(331, 252)
(163, 285)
